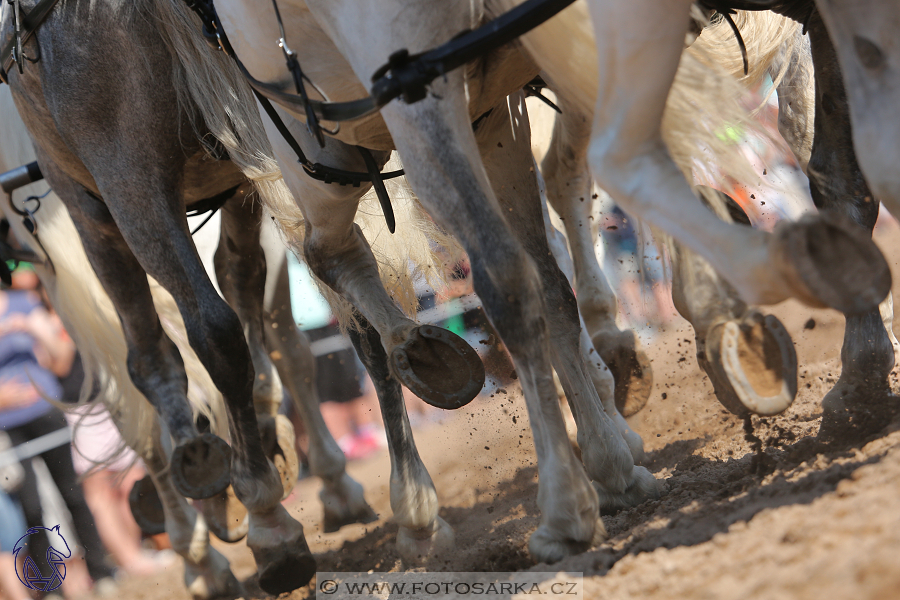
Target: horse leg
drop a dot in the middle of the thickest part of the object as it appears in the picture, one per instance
(820, 260)
(154, 363)
(837, 184)
(569, 186)
(422, 534)
(207, 574)
(342, 496)
(435, 364)
(749, 357)
(504, 139)
(796, 97)
(864, 35)
(214, 331)
(240, 266)
(339, 255)
(600, 374)
(440, 156)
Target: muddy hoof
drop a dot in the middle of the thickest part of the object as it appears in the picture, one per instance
(147, 507)
(225, 516)
(753, 365)
(630, 367)
(837, 262)
(285, 568)
(201, 468)
(278, 441)
(439, 367)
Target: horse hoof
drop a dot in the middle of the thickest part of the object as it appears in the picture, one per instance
(344, 504)
(754, 364)
(281, 552)
(548, 546)
(278, 441)
(146, 507)
(630, 367)
(201, 468)
(439, 367)
(418, 547)
(225, 516)
(836, 261)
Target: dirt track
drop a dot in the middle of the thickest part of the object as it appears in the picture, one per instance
(813, 521)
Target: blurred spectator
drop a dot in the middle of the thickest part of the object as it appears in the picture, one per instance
(349, 403)
(34, 351)
(108, 470)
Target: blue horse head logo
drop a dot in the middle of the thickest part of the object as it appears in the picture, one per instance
(33, 576)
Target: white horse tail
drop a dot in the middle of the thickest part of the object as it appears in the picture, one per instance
(86, 310)
(228, 109)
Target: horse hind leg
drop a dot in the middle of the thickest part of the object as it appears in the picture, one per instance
(342, 496)
(241, 271)
(569, 190)
(154, 363)
(837, 185)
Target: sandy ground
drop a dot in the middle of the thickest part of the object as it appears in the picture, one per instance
(813, 521)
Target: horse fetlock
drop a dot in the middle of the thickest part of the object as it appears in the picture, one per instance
(343, 503)
(211, 578)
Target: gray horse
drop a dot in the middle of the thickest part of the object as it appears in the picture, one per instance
(121, 151)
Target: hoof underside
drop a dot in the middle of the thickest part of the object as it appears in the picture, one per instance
(630, 367)
(146, 507)
(439, 367)
(752, 364)
(201, 468)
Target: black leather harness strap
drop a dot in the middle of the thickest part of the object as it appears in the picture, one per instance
(25, 27)
(404, 75)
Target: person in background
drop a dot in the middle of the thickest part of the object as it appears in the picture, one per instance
(34, 351)
(108, 469)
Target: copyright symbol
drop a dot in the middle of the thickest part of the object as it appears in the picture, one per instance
(329, 586)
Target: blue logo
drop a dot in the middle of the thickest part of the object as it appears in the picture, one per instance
(34, 577)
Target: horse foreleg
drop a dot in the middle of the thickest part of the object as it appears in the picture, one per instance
(505, 144)
(423, 534)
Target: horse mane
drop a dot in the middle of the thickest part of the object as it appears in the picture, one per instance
(88, 313)
(213, 90)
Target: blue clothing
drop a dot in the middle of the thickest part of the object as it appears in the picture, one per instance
(12, 523)
(19, 363)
